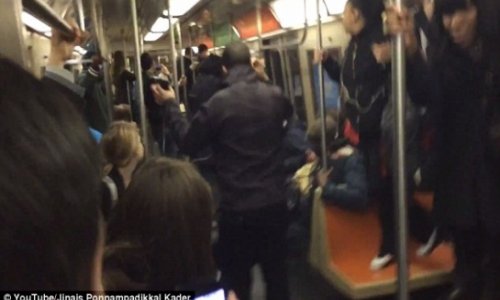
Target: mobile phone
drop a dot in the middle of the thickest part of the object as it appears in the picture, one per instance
(213, 295)
(210, 290)
(162, 82)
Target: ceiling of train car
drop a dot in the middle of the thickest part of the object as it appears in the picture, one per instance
(224, 11)
(117, 17)
(118, 22)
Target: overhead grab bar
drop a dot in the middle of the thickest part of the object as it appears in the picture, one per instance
(293, 44)
(45, 13)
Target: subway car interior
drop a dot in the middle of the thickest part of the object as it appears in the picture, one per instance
(251, 149)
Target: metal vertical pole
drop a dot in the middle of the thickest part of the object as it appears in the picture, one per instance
(283, 71)
(141, 42)
(124, 49)
(107, 84)
(174, 50)
(103, 47)
(139, 80)
(273, 68)
(95, 21)
(398, 98)
(81, 14)
(322, 106)
(183, 70)
(258, 7)
(289, 77)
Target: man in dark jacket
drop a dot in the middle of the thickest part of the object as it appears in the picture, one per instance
(210, 79)
(245, 124)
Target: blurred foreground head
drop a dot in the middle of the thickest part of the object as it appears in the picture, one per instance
(49, 189)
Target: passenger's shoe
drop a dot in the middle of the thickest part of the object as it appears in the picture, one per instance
(432, 243)
(381, 261)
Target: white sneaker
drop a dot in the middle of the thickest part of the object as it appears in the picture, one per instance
(431, 244)
(380, 262)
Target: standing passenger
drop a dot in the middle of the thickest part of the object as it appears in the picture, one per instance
(364, 91)
(122, 79)
(245, 124)
(463, 83)
(202, 53)
(209, 80)
(154, 108)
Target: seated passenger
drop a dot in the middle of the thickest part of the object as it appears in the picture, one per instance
(50, 225)
(344, 184)
(160, 236)
(123, 150)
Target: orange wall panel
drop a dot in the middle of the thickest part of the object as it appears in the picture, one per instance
(247, 25)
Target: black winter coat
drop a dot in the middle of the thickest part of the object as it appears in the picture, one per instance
(465, 94)
(347, 186)
(245, 125)
(205, 87)
(365, 83)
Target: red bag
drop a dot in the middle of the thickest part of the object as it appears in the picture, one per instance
(350, 133)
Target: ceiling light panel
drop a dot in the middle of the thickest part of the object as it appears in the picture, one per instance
(181, 7)
(290, 13)
(34, 23)
(161, 25)
(152, 36)
(336, 7)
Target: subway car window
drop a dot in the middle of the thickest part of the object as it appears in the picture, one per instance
(250, 149)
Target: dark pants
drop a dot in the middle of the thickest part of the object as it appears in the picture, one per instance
(477, 267)
(381, 190)
(249, 238)
(420, 222)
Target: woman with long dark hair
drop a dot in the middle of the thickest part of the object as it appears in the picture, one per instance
(160, 235)
(462, 83)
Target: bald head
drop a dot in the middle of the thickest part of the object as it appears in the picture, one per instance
(236, 54)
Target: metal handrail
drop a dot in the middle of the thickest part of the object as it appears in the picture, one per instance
(293, 44)
(45, 13)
